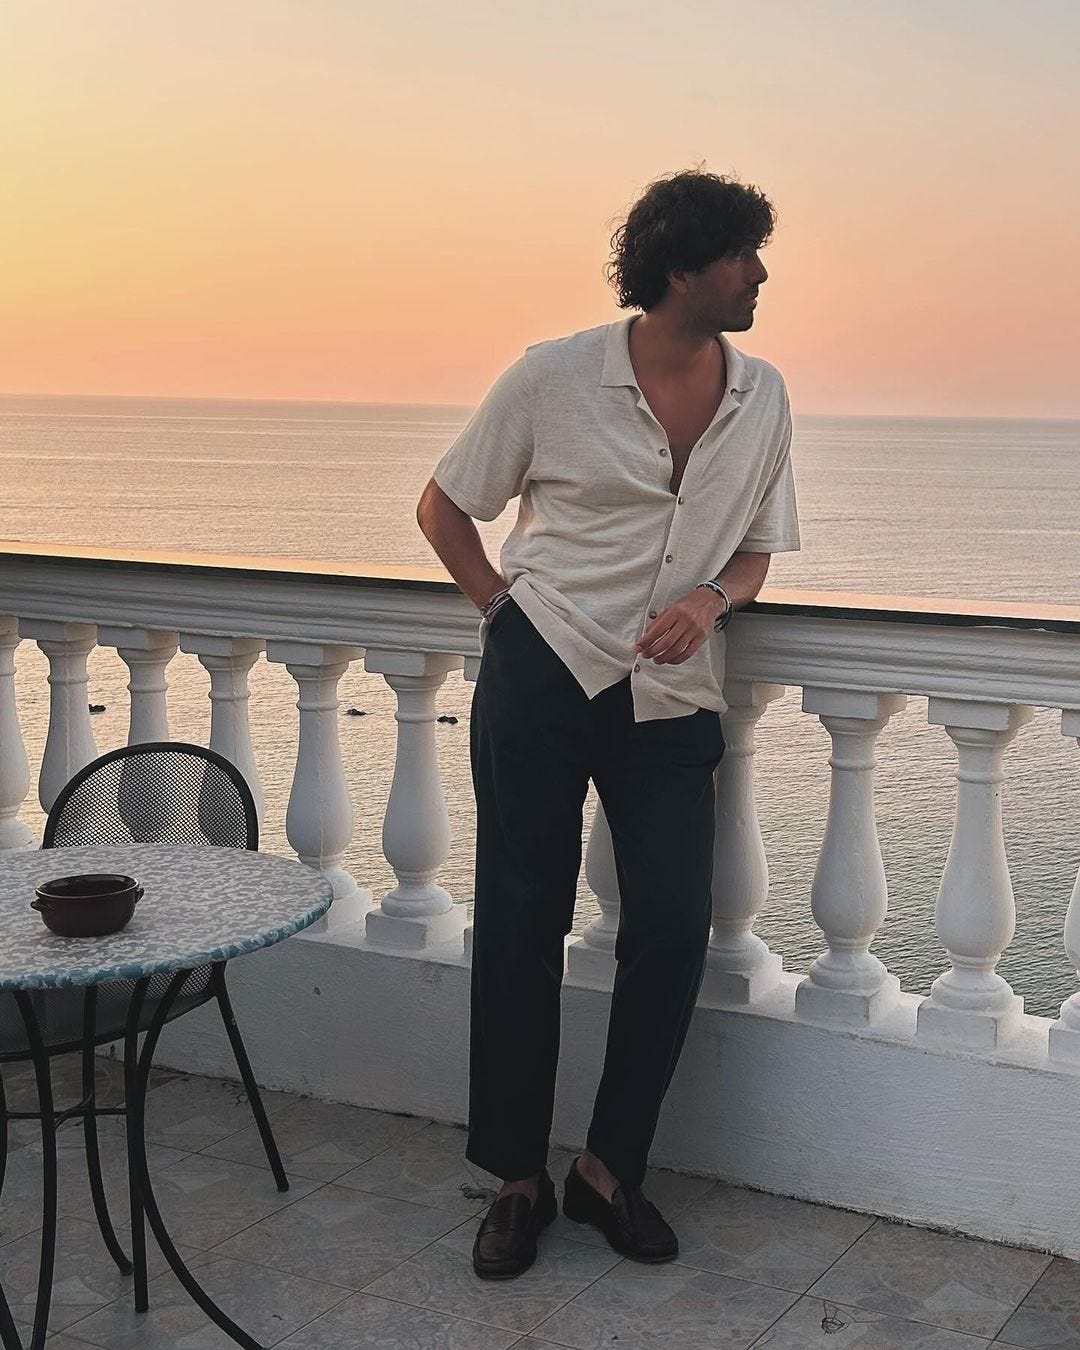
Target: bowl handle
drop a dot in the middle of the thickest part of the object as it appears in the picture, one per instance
(37, 904)
(137, 894)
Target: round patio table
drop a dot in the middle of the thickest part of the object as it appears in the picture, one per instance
(202, 906)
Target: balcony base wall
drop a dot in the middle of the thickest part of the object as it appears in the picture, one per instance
(866, 1119)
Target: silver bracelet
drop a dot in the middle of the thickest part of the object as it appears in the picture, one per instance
(725, 618)
(496, 602)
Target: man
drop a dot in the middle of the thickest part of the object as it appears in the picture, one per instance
(652, 463)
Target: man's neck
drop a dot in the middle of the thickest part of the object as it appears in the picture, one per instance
(668, 347)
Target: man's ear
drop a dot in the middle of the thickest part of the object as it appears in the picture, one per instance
(677, 281)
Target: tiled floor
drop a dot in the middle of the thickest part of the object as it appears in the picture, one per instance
(370, 1248)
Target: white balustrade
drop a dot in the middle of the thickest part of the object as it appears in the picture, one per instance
(590, 958)
(14, 765)
(227, 661)
(849, 897)
(418, 913)
(981, 679)
(319, 820)
(69, 744)
(971, 1005)
(146, 652)
(1065, 1032)
(739, 966)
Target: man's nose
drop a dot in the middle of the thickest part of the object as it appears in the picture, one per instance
(762, 273)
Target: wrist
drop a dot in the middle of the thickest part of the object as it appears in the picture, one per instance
(724, 605)
(494, 601)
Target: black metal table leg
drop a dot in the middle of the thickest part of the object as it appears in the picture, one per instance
(137, 1133)
(90, 1135)
(135, 1188)
(9, 1337)
(258, 1110)
(48, 1167)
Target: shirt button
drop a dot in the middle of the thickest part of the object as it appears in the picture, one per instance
(637, 667)
(680, 501)
(652, 613)
(663, 452)
(670, 558)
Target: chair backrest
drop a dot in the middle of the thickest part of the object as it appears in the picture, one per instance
(159, 792)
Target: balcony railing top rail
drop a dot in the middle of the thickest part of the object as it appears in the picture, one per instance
(967, 649)
(858, 605)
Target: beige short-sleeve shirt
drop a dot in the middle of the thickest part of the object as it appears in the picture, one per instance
(601, 544)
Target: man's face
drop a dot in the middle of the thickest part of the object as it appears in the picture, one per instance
(722, 295)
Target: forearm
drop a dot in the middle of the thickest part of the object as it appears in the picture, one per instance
(454, 537)
(743, 576)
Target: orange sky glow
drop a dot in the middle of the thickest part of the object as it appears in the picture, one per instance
(317, 199)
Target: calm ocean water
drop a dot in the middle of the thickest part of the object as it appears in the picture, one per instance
(965, 508)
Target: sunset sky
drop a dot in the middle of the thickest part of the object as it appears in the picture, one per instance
(388, 199)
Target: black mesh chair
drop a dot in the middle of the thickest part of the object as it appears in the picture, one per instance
(156, 792)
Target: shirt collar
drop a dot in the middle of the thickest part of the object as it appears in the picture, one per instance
(618, 368)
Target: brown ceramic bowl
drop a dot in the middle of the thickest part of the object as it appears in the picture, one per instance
(87, 906)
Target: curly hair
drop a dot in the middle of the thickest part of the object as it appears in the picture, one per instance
(681, 223)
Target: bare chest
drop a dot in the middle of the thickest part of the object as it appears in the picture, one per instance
(685, 415)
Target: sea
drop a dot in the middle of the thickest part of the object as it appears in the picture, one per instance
(967, 508)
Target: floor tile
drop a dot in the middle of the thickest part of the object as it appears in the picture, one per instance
(20, 1210)
(265, 1303)
(321, 1140)
(65, 1076)
(363, 1322)
(816, 1325)
(1049, 1317)
(20, 1089)
(205, 1200)
(442, 1279)
(668, 1307)
(398, 1224)
(765, 1238)
(955, 1282)
(85, 1279)
(671, 1192)
(430, 1168)
(344, 1237)
(190, 1113)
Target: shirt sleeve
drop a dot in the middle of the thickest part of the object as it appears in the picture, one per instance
(488, 463)
(775, 526)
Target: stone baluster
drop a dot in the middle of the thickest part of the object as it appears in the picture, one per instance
(970, 1004)
(227, 661)
(590, 959)
(739, 967)
(849, 897)
(418, 912)
(69, 744)
(146, 652)
(14, 765)
(1065, 1032)
(319, 821)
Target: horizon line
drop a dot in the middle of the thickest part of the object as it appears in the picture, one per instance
(406, 403)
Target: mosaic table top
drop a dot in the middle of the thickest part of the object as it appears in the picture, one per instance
(200, 905)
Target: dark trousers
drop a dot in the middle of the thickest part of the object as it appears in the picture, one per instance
(535, 741)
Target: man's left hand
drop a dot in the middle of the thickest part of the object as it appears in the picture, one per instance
(678, 631)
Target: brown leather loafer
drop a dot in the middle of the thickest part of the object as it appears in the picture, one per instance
(631, 1224)
(505, 1244)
